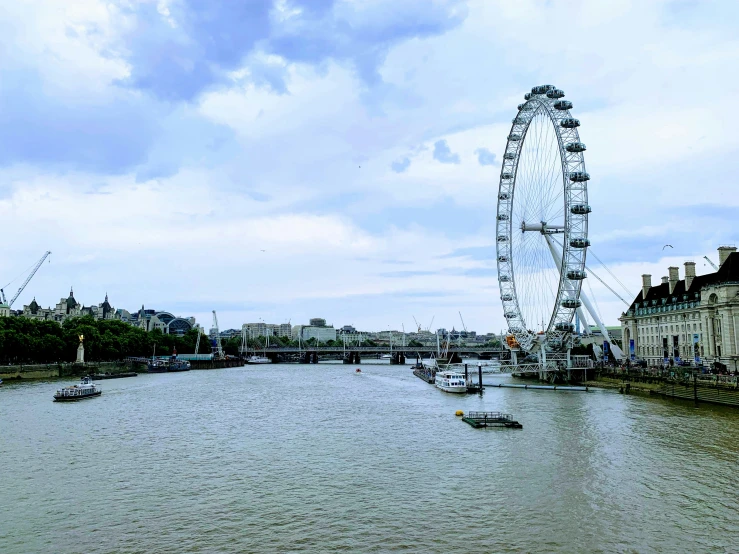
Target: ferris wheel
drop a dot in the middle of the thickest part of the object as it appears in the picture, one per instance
(542, 222)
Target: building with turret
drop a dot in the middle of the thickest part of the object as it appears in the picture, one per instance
(694, 320)
(66, 308)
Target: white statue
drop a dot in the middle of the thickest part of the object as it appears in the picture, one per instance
(81, 351)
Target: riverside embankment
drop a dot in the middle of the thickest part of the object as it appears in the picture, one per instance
(714, 389)
(50, 371)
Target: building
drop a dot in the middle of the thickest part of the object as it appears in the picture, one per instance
(65, 308)
(166, 322)
(321, 334)
(230, 333)
(317, 322)
(692, 320)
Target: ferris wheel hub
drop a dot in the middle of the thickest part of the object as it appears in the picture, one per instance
(542, 227)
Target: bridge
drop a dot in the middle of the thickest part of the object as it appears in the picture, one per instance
(354, 354)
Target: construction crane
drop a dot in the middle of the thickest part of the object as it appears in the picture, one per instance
(713, 265)
(417, 324)
(218, 348)
(197, 342)
(28, 280)
(463, 325)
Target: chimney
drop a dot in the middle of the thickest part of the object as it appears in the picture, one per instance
(664, 280)
(646, 284)
(723, 253)
(674, 277)
(689, 274)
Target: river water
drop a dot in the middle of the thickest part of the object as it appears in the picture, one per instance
(292, 458)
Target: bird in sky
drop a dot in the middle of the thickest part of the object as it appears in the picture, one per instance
(666, 245)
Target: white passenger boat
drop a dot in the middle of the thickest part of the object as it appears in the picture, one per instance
(258, 360)
(450, 381)
(86, 389)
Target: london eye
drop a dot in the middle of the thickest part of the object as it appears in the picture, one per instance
(542, 221)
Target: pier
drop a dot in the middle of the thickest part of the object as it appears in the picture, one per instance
(491, 419)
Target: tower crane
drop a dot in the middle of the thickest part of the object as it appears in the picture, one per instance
(463, 325)
(417, 324)
(713, 265)
(218, 346)
(28, 280)
(197, 342)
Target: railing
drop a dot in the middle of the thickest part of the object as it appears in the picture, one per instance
(497, 416)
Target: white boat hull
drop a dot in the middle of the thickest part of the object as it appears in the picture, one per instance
(457, 389)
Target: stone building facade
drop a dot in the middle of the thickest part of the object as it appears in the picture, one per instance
(66, 308)
(694, 320)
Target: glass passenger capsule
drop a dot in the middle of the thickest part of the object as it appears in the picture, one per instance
(506, 297)
(579, 177)
(541, 89)
(509, 156)
(503, 259)
(576, 275)
(506, 175)
(570, 123)
(504, 279)
(571, 303)
(580, 209)
(555, 93)
(564, 326)
(527, 96)
(502, 217)
(510, 315)
(514, 137)
(575, 147)
(504, 196)
(579, 242)
(563, 105)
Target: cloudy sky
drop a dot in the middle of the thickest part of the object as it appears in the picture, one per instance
(287, 159)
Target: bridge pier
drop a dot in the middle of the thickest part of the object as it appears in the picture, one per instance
(398, 359)
(352, 358)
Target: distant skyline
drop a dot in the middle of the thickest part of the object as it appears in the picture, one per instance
(294, 159)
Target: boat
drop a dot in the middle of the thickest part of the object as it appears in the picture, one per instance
(158, 366)
(358, 371)
(258, 360)
(450, 381)
(101, 376)
(86, 389)
(178, 365)
(386, 357)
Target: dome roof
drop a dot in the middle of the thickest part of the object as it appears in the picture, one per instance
(71, 302)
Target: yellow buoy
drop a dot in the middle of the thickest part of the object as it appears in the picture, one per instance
(459, 413)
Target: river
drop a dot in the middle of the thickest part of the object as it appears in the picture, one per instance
(298, 458)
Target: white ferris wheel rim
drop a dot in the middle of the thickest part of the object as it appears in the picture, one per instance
(552, 200)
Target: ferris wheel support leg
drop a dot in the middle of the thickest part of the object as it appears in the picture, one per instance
(586, 302)
(614, 347)
(584, 320)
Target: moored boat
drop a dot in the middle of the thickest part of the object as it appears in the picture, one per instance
(450, 381)
(86, 389)
(258, 360)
